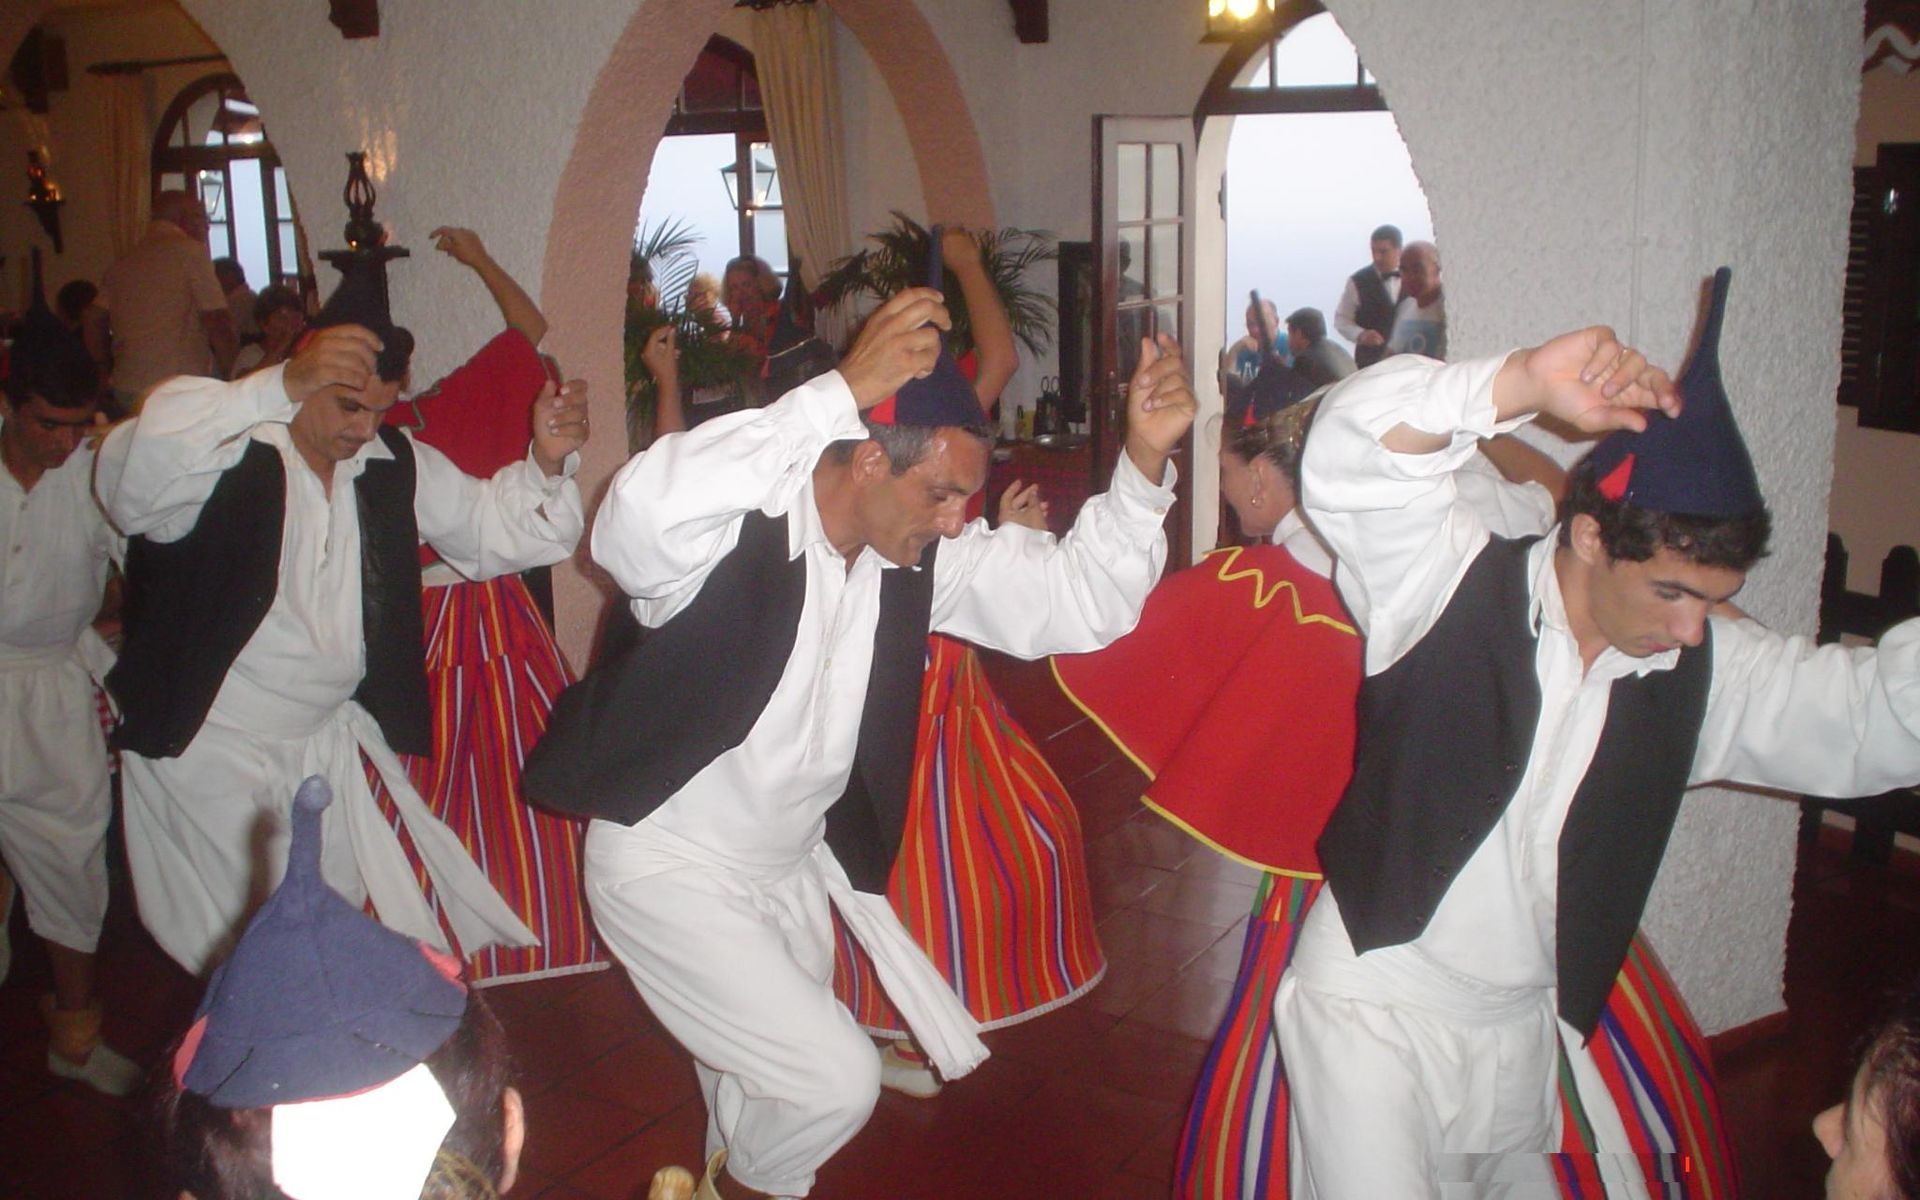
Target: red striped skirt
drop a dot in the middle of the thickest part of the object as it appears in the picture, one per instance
(991, 879)
(1650, 1052)
(493, 673)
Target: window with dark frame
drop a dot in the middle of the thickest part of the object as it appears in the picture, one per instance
(211, 142)
(721, 95)
(1880, 314)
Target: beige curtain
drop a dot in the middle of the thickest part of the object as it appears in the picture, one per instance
(124, 117)
(793, 54)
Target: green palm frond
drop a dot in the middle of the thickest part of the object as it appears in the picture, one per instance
(897, 259)
(664, 255)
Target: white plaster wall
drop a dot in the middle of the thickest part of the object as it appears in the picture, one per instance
(1586, 159)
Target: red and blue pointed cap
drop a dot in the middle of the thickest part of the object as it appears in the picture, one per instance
(1696, 463)
(944, 397)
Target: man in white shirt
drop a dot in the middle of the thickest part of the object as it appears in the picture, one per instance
(55, 551)
(793, 560)
(161, 306)
(1364, 315)
(273, 629)
(1531, 714)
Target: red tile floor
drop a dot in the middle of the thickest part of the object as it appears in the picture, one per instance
(1084, 1102)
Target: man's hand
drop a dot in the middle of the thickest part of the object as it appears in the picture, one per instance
(1160, 406)
(1370, 337)
(1021, 504)
(901, 341)
(340, 356)
(463, 245)
(661, 354)
(1587, 379)
(559, 424)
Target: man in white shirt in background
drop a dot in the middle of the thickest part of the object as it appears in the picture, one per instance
(161, 308)
(274, 630)
(55, 552)
(749, 762)
(1364, 315)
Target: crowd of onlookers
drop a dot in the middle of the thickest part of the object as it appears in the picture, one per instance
(1392, 305)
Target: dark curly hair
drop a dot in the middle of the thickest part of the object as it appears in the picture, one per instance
(1890, 1083)
(226, 1153)
(1634, 534)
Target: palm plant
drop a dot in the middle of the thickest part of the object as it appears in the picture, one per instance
(898, 259)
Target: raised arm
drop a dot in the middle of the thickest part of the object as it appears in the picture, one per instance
(516, 307)
(1020, 591)
(661, 357)
(992, 333)
(154, 473)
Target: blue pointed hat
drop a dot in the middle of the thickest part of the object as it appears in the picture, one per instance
(1696, 463)
(318, 1000)
(945, 397)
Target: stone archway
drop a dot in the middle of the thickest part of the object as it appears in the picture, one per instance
(582, 284)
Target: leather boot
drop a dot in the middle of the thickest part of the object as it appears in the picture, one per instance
(75, 1051)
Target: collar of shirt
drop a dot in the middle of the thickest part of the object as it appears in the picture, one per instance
(280, 436)
(1548, 615)
(805, 529)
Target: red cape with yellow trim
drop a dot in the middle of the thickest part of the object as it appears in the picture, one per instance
(1235, 694)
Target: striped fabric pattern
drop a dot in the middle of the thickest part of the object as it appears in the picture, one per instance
(1651, 1054)
(493, 673)
(1235, 1140)
(991, 876)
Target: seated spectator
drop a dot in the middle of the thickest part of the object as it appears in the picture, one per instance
(332, 1057)
(751, 290)
(280, 313)
(1240, 362)
(71, 303)
(703, 300)
(1873, 1136)
(1318, 360)
(1420, 320)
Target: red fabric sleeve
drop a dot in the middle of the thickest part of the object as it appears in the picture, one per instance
(477, 416)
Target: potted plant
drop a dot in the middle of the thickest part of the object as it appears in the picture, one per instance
(898, 259)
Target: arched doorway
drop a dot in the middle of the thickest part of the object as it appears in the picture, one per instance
(583, 283)
(1297, 140)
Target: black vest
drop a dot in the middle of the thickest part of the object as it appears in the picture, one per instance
(646, 721)
(1444, 737)
(193, 604)
(1375, 312)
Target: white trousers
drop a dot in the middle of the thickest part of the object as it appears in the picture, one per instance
(738, 966)
(207, 837)
(54, 797)
(1410, 1081)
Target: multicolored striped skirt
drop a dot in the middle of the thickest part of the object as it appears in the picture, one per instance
(991, 878)
(493, 673)
(1650, 1053)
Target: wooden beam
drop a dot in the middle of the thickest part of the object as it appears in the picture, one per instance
(1030, 20)
(356, 18)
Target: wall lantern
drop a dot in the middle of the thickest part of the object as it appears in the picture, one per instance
(763, 178)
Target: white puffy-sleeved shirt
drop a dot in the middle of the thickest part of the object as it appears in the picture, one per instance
(1404, 532)
(675, 511)
(55, 547)
(308, 655)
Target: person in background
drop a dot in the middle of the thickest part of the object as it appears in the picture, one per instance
(161, 311)
(751, 291)
(54, 794)
(1240, 363)
(703, 300)
(240, 298)
(1420, 320)
(1318, 360)
(280, 313)
(1873, 1136)
(332, 1058)
(1364, 315)
(72, 303)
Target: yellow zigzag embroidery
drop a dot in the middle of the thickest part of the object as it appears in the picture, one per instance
(1263, 595)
